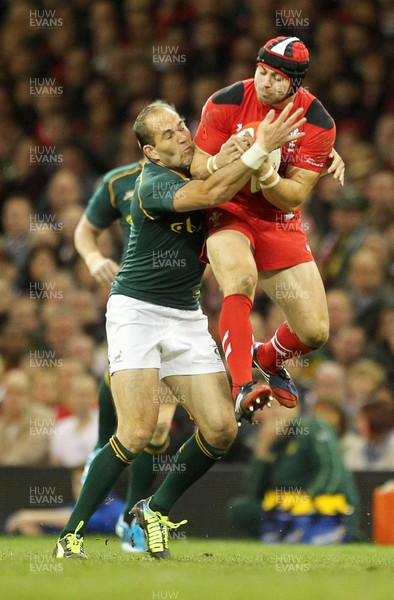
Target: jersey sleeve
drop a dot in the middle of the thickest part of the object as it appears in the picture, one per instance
(215, 124)
(100, 212)
(156, 194)
(319, 139)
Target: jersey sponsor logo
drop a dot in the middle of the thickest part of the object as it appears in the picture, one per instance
(291, 146)
(239, 127)
(313, 162)
(185, 225)
(118, 357)
(214, 218)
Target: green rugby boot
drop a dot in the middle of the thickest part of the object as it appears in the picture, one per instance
(155, 526)
(70, 546)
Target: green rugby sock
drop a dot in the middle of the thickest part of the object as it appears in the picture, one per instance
(104, 471)
(107, 413)
(142, 475)
(191, 462)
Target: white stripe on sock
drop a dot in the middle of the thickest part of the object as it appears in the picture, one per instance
(285, 350)
(279, 351)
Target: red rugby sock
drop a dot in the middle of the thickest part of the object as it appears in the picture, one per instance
(283, 345)
(237, 338)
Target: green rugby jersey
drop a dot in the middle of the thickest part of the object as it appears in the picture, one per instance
(112, 199)
(162, 263)
(307, 456)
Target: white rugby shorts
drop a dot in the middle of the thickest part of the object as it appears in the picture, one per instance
(142, 335)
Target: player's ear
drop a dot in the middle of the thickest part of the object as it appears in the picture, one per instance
(150, 152)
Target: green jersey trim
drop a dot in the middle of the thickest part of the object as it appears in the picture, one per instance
(113, 179)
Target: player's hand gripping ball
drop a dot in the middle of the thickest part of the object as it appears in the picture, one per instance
(274, 157)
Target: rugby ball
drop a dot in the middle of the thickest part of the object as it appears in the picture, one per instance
(274, 157)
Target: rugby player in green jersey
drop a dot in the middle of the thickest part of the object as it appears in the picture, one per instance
(111, 202)
(156, 329)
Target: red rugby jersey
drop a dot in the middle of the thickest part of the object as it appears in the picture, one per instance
(229, 110)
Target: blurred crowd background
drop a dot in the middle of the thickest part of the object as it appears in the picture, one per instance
(73, 77)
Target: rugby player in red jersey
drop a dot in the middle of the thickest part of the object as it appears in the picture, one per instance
(258, 235)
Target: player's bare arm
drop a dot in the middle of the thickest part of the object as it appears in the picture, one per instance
(86, 237)
(235, 146)
(222, 186)
(230, 151)
(290, 192)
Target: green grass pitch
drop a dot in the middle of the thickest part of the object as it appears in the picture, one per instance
(199, 570)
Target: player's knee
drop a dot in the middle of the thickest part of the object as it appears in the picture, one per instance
(315, 335)
(135, 439)
(222, 434)
(245, 285)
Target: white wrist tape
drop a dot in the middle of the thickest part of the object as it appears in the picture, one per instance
(267, 175)
(272, 184)
(211, 165)
(254, 157)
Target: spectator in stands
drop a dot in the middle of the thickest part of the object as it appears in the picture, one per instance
(382, 350)
(363, 378)
(42, 263)
(329, 384)
(299, 490)
(25, 175)
(340, 309)
(24, 313)
(374, 449)
(61, 326)
(44, 387)
(380, 194)
(25, 427)
(368, 288)
(16, 219)
(76, 435)
(349, 228)
(348, 345)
